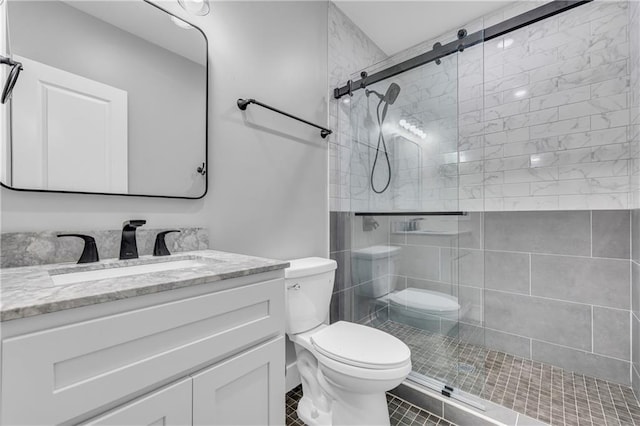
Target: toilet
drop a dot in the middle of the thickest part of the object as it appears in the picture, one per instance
(425, 309)
(345, 368)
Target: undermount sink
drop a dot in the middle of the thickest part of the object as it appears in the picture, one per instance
(116, 271)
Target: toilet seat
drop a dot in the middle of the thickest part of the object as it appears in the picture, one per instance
(360, 346)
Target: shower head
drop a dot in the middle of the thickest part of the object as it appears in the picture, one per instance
(389, 97)
(392, 93)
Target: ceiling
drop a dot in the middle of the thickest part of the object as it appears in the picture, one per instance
(147, 22)
(397, 25)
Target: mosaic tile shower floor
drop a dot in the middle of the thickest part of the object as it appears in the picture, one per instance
(401, 413)
(544, 392)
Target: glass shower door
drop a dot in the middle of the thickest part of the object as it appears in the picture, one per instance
(410, 250)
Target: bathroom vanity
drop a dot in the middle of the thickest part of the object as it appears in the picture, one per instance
(194, 338)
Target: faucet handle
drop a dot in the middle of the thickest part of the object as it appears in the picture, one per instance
(90, 251)
(160, 248)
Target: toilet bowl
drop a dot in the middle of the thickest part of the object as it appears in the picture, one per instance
(345, 368)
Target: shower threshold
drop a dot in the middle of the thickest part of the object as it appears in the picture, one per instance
(446, 390)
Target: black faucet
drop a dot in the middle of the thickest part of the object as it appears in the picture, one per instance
(128, 245)
(160, 248)
(90, 251)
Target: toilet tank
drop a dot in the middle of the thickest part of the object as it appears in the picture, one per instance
(374, 267)
(308, 289)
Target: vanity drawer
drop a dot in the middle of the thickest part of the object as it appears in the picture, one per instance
(68, 371)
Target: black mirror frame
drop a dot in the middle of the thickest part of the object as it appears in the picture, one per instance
(206, 140)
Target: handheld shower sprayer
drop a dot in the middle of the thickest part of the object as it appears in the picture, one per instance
(387, 99)
(390, 95)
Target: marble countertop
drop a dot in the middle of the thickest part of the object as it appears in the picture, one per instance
(30, 290)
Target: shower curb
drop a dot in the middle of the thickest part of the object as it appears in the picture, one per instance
(459, 413)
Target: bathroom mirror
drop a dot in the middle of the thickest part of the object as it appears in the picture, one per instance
(112, 99)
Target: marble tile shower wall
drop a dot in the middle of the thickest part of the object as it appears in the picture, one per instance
(555, 113)
(550, 286)
(543, 120)
(634, 102)
(350, 50)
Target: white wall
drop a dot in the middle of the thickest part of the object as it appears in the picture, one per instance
(267, 176)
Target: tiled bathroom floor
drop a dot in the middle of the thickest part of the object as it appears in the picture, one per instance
(549, 394)
(401, 413)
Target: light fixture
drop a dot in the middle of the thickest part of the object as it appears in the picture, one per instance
(182, 24)
(195, 7)
(505, 43)
(402, 122)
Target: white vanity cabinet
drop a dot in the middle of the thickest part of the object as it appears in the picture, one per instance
(240, 391)
(169, 406)
(206, 354)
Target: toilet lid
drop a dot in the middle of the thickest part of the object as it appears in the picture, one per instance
(424, 300)
(361, 346)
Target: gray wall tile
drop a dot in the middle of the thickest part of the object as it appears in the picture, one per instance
(582, 362)
(361, 238)
(553, 321)
(635, 234)
(341, 308)
(470, 301)
(420, 262)
(471, 267)
(431, 240)
(507, 271)
(611, 233)
(343, 273)
(470, 228)
(635, 381)
(469, 333)
(363, 304)
(602, 282)
(340, 231)
(611, 328)
(635, 340)
(635, 288)
(509, 343)
(558, 232)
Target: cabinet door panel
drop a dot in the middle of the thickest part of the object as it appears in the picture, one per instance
(170, 406)
(245, 390)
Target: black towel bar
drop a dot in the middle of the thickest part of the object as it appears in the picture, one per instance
(242, 104)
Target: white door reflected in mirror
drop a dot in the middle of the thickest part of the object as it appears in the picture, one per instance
(68, 126)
